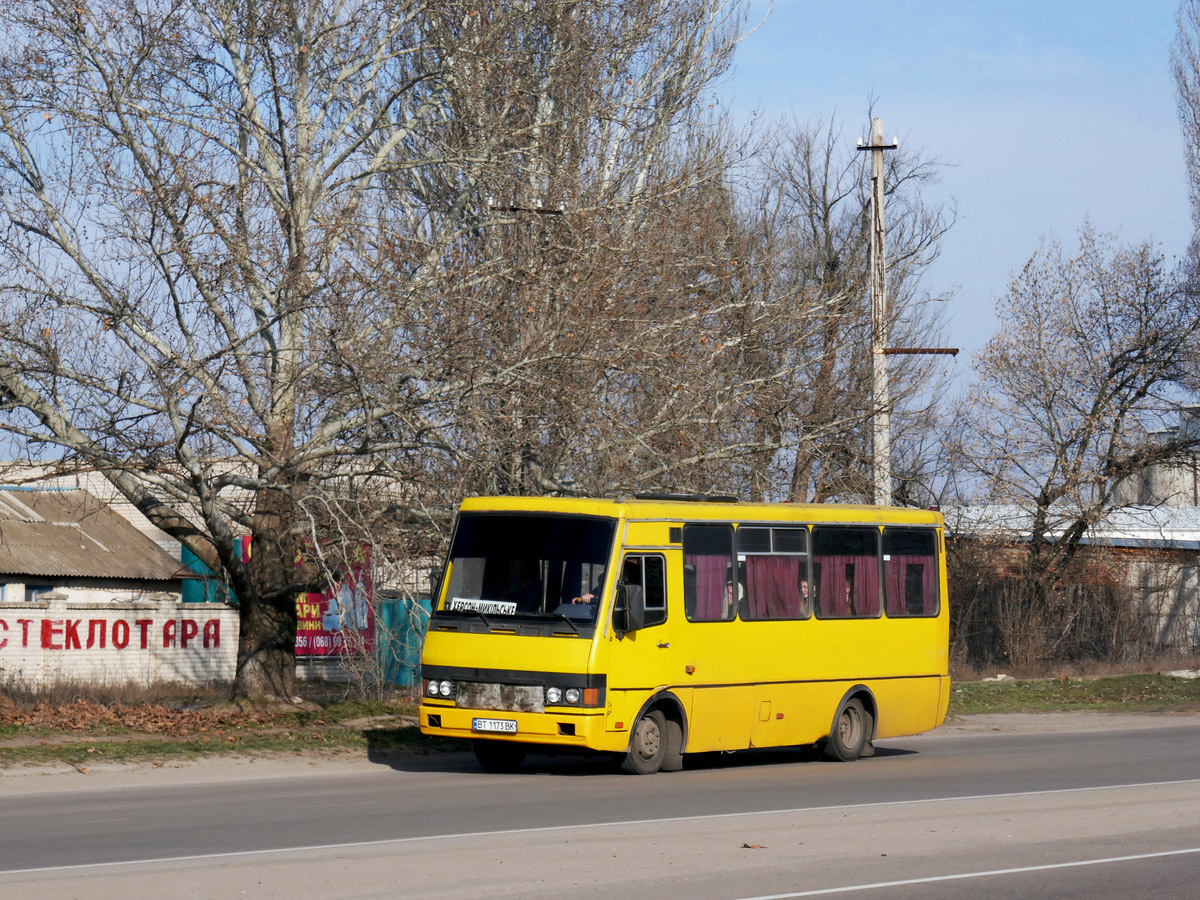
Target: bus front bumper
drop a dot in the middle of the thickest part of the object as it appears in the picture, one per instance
(563, 728)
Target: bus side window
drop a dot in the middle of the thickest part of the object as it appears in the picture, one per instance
(774, 563)
(846, 569)
(650, 574)
(654, 572)
(910, 572)
(710, 580)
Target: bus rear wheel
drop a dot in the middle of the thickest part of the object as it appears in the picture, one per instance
(850, 732)
(500, 756)
(648, 745)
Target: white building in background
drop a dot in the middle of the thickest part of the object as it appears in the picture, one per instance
(1175, 483)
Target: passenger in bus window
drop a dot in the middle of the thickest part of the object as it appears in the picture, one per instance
(850, 589)
(730, 608)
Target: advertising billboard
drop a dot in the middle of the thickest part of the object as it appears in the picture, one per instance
(341, 619)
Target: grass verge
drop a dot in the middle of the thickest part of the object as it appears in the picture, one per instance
(1147, 693)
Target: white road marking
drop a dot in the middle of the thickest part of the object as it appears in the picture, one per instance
(385, 842)
(933, 879)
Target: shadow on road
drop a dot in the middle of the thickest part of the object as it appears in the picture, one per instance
(395, 749)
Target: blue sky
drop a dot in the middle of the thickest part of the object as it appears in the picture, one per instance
(1049, 113)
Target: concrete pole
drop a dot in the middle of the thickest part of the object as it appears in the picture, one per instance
(880, 394)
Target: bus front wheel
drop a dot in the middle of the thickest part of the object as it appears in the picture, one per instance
(648, 746)
(500, 756)
(850, 732)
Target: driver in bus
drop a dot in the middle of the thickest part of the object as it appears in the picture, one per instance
(631, 574)
(592, 596)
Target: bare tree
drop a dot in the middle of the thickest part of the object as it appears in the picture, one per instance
(251, 250)
(811, 206)
(712, 336)
(1185, 67)
(684, 342)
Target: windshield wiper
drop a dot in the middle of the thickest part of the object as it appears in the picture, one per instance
(486, 621)
(568, 620)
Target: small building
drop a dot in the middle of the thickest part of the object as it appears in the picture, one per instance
(1143, 561)
(87, 597)
(399, 617)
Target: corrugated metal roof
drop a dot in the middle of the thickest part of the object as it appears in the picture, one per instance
(71, 533)
(1160, 527)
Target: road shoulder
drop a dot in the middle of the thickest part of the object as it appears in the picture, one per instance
(55, 776)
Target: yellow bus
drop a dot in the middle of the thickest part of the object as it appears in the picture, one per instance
(668, 624)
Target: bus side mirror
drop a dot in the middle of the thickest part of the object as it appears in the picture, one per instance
(630, 612)
(435, 583)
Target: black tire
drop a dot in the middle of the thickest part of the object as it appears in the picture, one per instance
(850, 732)
(647, 745)
(673, 758)
(500, 756)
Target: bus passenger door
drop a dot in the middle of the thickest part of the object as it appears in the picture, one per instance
(639, 662)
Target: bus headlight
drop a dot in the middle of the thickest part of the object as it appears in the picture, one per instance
(431, 687)
(447, 688)
(553, 695)
(573, 696)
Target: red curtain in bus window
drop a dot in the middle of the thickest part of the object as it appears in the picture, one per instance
(861, 573)
(833, 584)
(773, 583)
(866, 587)
(896, 573)
(711, 573)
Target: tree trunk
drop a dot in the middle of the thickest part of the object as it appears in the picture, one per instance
(266, 649)
(267, 614)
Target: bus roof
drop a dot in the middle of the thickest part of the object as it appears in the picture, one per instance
(701, 510)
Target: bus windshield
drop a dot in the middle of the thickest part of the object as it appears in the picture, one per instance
(548, 567)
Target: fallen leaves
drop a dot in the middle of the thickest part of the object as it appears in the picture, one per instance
(85, 716)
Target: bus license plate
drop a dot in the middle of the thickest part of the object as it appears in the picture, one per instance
(503, 726)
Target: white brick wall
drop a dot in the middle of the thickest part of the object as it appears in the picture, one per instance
(117, 642)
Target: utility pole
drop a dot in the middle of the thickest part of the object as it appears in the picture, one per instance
(881, 400)
(881, 444)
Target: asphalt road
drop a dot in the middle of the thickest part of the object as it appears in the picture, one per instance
(1095, 813)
